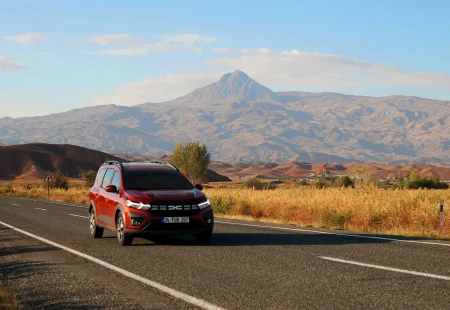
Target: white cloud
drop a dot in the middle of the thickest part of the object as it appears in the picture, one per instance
(158, 89)
(196, 49)
(18, 109)
(74, 43)
(26, 38)
(220, 49)
(139, 50)
(247, 50)
(188, 39)
(167, 43)
(287, 70)
(108, 39)
(7, 64)
(298, 70)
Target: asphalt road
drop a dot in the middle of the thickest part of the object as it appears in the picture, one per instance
(247, 266)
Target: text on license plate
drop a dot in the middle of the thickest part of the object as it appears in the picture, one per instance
(177, 219)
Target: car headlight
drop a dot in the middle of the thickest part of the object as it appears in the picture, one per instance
(205, 204)
(138, 205)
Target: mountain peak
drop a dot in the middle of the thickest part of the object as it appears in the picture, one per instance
(235, 84)
(236, 76)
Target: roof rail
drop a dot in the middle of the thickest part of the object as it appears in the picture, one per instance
(113, 162)
(163, 162)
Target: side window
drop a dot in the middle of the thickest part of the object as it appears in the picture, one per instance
(116, 180)
(108, 177)
(100, 177)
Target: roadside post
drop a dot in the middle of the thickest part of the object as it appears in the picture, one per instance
(441, 215)
(48, 179)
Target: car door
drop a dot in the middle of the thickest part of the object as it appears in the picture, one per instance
(102, 207)
(97, 193)
(112, 198)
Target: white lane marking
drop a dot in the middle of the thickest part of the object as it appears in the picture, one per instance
(86, 217)
(48, 201)
(185, 297)
(416, 273)
(336, 234)
(15, 204)
(41, 209)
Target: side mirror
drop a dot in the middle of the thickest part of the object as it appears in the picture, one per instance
(111, 189)
(199, 187)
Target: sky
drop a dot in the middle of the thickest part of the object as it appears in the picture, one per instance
(61, 55)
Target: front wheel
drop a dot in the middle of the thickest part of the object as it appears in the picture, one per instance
(204, 237)
(96, 232)
(122, 237)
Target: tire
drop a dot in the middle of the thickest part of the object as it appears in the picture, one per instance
(122, 237)
(204, 237)
(96, 232)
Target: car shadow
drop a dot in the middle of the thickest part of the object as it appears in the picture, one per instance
(267, 239)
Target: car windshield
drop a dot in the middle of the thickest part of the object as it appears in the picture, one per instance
(155, 179)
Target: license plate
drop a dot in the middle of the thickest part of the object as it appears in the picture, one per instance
(177, 219)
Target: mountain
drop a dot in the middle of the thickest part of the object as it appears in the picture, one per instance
(242, 121)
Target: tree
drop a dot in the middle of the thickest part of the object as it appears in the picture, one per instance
(414, 176)
(192, 159)
(345, 181)
(398, 184)
(89, 177)
(362, 176)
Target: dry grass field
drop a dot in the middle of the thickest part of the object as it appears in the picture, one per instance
(370, 209)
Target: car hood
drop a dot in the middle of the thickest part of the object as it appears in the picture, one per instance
(169, 196)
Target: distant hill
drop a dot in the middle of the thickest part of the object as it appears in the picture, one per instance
(34, 160)
(303, 169)
(241, 120)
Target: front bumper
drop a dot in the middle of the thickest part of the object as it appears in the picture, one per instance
(152, 225)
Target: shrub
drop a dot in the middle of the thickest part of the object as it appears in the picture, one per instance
(254, 183)
(384, 184)
(222, 204)
(303, 182)
(59, 181)
(344, 181)
(270, 186)
(89, 178)
(331, 218)
(320, 184)
(423, 182)
(399, 183)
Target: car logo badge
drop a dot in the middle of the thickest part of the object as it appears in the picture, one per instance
(176, 208)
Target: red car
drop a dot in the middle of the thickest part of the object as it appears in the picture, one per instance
(154, 198)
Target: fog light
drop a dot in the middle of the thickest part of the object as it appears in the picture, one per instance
(136, 221)
(209, 221)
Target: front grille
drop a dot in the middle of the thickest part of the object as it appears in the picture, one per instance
(174, 210)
